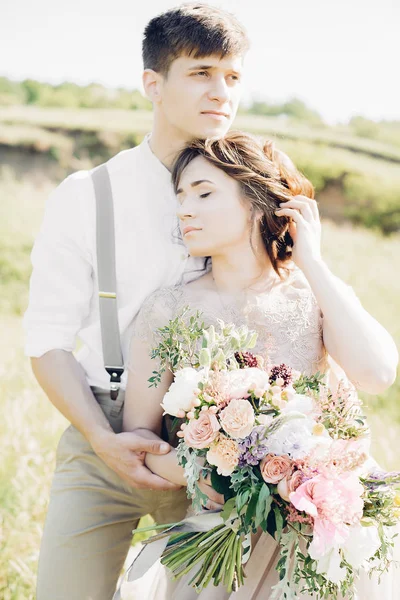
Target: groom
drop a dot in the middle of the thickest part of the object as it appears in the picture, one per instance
(193, 58)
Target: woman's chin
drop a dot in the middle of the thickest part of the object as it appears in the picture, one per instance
(195, 252)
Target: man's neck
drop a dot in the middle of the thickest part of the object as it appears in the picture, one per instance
(166, 142)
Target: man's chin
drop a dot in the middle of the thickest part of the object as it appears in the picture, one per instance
(210, 132)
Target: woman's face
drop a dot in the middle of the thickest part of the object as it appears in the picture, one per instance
(214, 218)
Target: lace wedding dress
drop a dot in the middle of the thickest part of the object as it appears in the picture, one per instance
(289, 324)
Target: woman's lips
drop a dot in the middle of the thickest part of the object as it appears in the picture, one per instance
(187, 230)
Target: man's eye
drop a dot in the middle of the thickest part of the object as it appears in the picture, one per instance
(202, 73)
(205, 195)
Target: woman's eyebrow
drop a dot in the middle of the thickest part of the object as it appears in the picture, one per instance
(195, 183)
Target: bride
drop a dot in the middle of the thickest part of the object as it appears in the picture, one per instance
(245, 205)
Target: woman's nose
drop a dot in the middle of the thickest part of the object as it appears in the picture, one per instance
(185, 211)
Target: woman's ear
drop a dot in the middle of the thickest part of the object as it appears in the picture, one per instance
(258, 214)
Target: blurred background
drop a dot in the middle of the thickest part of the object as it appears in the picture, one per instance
(320, 79)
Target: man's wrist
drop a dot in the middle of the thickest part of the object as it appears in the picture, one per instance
(98, 436)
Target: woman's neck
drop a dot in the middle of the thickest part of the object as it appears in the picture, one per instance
(241, 272)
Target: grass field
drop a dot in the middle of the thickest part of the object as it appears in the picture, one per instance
(30, 427)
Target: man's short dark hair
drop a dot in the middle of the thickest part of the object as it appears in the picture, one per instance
(196, 30)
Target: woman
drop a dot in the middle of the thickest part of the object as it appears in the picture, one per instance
(245, 205)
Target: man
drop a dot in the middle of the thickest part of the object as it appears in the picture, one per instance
(193, 59)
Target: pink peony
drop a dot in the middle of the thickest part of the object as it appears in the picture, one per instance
(224, 454)
(201, 432)
(238, 418)
(274, 468)
(334, 503)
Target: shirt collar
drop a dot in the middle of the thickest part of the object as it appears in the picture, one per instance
(153, 160)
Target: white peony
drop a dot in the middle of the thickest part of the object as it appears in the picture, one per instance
(361, 544)
(296, 438)
(238, 382)
(329, 564)
(180, 395)
(299, 403)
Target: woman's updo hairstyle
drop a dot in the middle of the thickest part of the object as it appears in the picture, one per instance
(267, 177)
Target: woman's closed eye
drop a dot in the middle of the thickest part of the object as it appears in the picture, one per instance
(205, 195)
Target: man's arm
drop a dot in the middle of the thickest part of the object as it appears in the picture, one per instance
(60, 294)
(63, 380)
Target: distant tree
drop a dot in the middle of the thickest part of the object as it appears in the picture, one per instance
(294, 107)
(364, 127)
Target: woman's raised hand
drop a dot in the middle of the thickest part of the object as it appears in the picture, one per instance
(305, 229)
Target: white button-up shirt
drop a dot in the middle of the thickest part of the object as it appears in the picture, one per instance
(63, 298)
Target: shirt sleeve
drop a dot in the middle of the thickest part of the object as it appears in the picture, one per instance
(61, 283)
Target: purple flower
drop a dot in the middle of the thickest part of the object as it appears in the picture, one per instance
(253, 448)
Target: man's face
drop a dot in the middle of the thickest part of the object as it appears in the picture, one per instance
(200, 97)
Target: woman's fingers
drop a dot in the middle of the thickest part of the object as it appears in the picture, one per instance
(211, 494)
(210, 505)
(291, 212)
(304, 208)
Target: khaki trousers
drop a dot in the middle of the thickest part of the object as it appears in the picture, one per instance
(91, 514)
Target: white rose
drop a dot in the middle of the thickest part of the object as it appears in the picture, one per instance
(180, 395)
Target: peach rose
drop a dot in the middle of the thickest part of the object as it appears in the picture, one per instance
(224, 454)
(201, 432)
(237, 419)
(289, 484)
(274, 468)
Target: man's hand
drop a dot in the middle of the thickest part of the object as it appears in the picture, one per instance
(124, 453)
(215, 500)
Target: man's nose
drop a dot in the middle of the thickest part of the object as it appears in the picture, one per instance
(219, 90)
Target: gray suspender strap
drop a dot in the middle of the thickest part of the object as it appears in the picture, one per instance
(105, 242)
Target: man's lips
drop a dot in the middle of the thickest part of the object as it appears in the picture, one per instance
(217, 113)
(189, 229)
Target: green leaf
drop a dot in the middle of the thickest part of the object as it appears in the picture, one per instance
(221, 484)
(279, 523)
(228, 508)
(241, 500)
(251, 509)
(263, 504)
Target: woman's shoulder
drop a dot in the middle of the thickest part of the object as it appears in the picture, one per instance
(294, 282)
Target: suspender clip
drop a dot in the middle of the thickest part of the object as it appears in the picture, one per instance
(115, 380)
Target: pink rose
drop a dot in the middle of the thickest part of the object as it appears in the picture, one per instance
(335, 503)
(274, 468)
(289, 484)
(201, 432)
(224, 454)
(237, 419)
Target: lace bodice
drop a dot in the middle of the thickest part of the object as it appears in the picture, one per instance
(287, 319)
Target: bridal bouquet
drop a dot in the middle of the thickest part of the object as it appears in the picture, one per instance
(290, 457)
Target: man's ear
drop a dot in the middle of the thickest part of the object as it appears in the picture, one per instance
(152, 85)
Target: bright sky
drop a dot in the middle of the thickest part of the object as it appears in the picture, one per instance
(339, 56)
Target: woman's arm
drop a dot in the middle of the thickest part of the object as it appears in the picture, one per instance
(142, 408)
(355, 340)
(169, 468)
